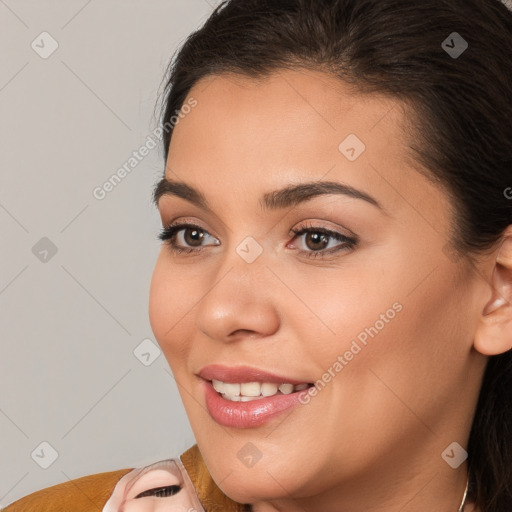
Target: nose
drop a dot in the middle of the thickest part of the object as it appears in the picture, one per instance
(241, 302)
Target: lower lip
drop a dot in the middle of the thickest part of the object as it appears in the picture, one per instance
(248, 414)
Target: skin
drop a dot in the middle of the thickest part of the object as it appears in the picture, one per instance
(179, 502)
(158, 477)
(372, 439)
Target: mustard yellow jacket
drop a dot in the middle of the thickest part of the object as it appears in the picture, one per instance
(91, 493)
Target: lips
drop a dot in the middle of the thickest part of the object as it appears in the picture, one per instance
(245, 397)
(239, 374)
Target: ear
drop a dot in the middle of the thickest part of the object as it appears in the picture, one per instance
(494, 331)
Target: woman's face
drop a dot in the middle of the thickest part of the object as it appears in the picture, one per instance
(177, 500)
(382, 320)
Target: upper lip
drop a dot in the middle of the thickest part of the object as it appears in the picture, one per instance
(235, 374)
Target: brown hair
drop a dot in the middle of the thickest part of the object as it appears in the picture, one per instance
(462, 114)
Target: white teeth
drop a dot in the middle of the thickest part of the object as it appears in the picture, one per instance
(248, 398)
(268, 389)
(217, 385)
(232, 398)
(231, 389)
(250, 389)
(247, 391)
(286, 389)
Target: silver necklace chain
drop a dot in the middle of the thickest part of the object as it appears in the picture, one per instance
(463, 502)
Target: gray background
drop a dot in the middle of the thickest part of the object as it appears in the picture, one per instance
(70, 322)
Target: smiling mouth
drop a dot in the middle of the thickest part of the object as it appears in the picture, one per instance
(249, 391)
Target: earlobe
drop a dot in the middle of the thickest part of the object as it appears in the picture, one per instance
(494, 331)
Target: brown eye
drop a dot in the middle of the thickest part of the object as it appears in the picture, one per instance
(185, 238)
(316, 241)
(193, 236)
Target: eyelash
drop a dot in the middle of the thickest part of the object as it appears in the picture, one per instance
(168, 235)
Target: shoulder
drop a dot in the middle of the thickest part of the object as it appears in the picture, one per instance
(145, 488)
(88, 493)
(182, 483)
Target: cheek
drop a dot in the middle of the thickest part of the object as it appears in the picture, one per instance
(158, 297)
(419, 355)
(178, 503)
(169, 305)
(340, 306)
(386, 327)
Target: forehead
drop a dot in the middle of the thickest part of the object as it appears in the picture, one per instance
(297, 110)
(290, 113)
(307, 91)
(292, 126)
(301, 103)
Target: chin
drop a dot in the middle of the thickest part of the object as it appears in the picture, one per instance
(254, 486)
(275, 476)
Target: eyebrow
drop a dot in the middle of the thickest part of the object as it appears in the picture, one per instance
(286, 197)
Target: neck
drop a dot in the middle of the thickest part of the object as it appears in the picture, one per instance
(417, 501)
